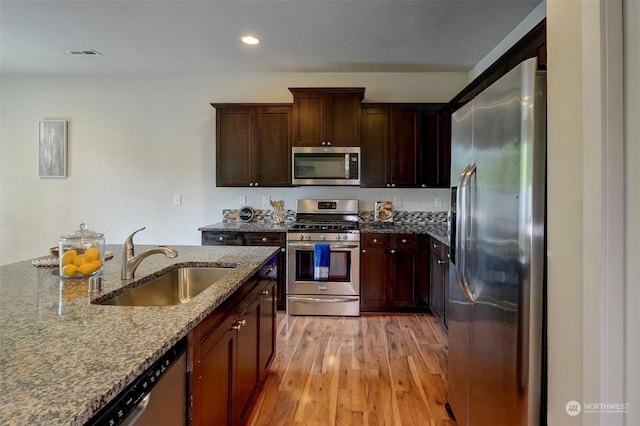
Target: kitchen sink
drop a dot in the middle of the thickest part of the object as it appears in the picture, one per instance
(175, 287)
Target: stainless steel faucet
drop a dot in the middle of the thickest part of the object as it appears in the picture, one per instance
(130, 261)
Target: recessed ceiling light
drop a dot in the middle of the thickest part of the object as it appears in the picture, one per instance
(250, 39)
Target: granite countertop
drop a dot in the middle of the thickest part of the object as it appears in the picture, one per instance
(62, 358)
(437, 230)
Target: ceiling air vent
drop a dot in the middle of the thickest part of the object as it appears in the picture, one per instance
(83, 52)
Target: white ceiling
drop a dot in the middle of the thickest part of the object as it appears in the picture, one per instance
(165, 36)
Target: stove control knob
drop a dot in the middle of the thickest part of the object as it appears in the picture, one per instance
(300, 237)
(338, 237)
(323, 237)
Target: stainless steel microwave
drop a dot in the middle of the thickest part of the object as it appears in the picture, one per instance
(326, 166)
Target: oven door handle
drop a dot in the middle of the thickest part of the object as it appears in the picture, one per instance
(336, 246)
(323, 300)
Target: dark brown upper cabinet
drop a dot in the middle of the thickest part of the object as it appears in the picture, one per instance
(404, 146)
(253, 144)
(326, 116)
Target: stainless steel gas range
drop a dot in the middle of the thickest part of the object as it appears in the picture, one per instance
(330, 225)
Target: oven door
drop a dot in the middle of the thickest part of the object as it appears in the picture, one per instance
(344, 270)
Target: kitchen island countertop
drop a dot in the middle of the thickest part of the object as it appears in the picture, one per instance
(63, 358)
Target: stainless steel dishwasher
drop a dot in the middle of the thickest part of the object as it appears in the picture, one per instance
(157, 397)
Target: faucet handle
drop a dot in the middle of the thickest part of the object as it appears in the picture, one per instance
(128, 244)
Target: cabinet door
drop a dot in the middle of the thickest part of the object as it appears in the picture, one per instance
(343, 119)
(404, 149)
(267, 331)
(436, 298)
(247, 326)
(445, 284)
(374, 164)
(405, 259)
(436, 142)
(234, 142)
(273, 146)
(374, 276)
(214, 377)
(308, 119)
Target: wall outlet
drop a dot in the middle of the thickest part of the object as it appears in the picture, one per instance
(397, 201)
(266, 200)
(242, 200)
(437, 203)
(177, 199)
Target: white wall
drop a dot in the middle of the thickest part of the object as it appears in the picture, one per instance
(593, 342)
(632, 210)
(134, 141)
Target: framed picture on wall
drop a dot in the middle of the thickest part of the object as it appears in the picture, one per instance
(53, 149)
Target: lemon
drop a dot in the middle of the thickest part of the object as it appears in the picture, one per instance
(70, 270)
(98, 263)
(78, 260)
(88, 268)
(68, 256)
(91, 254)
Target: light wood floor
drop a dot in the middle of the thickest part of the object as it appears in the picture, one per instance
(376, 369)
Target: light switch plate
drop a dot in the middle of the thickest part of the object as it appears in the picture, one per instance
(177, 199)
(242, 200)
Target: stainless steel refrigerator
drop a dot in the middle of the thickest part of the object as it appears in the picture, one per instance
(497, 270)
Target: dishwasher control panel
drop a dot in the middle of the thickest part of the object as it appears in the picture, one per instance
(125, 403)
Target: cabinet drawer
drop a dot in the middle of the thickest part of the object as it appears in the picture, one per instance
(264, 239)
(375, 240)
(221, 238)
(409, 241)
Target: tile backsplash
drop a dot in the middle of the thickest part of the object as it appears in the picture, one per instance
(400, 217)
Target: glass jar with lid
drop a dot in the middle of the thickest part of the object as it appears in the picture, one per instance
(81, 253)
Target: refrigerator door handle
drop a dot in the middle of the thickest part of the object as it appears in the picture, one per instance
(463, 229)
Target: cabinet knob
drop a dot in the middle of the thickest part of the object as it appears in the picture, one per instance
(324, 143)
(264, 292)
(441, 262)
(388, 185)
(423, 185)
(255, 184)
(393, 185)
(375, 240)
(264, 239)
(238, 324)
(329, 143)
(404, 241)
(364, 250)
(393, 251)
(221, 238)
(282, 250)
(250, 183)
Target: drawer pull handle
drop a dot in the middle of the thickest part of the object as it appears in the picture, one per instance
(264, 239)
(264, 293)
(441, 262)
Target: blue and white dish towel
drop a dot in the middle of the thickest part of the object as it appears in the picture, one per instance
(321, 261)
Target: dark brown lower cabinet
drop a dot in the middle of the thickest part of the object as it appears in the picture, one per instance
(231, 351)
(275, 239)
(391, 272)
(438, 279)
